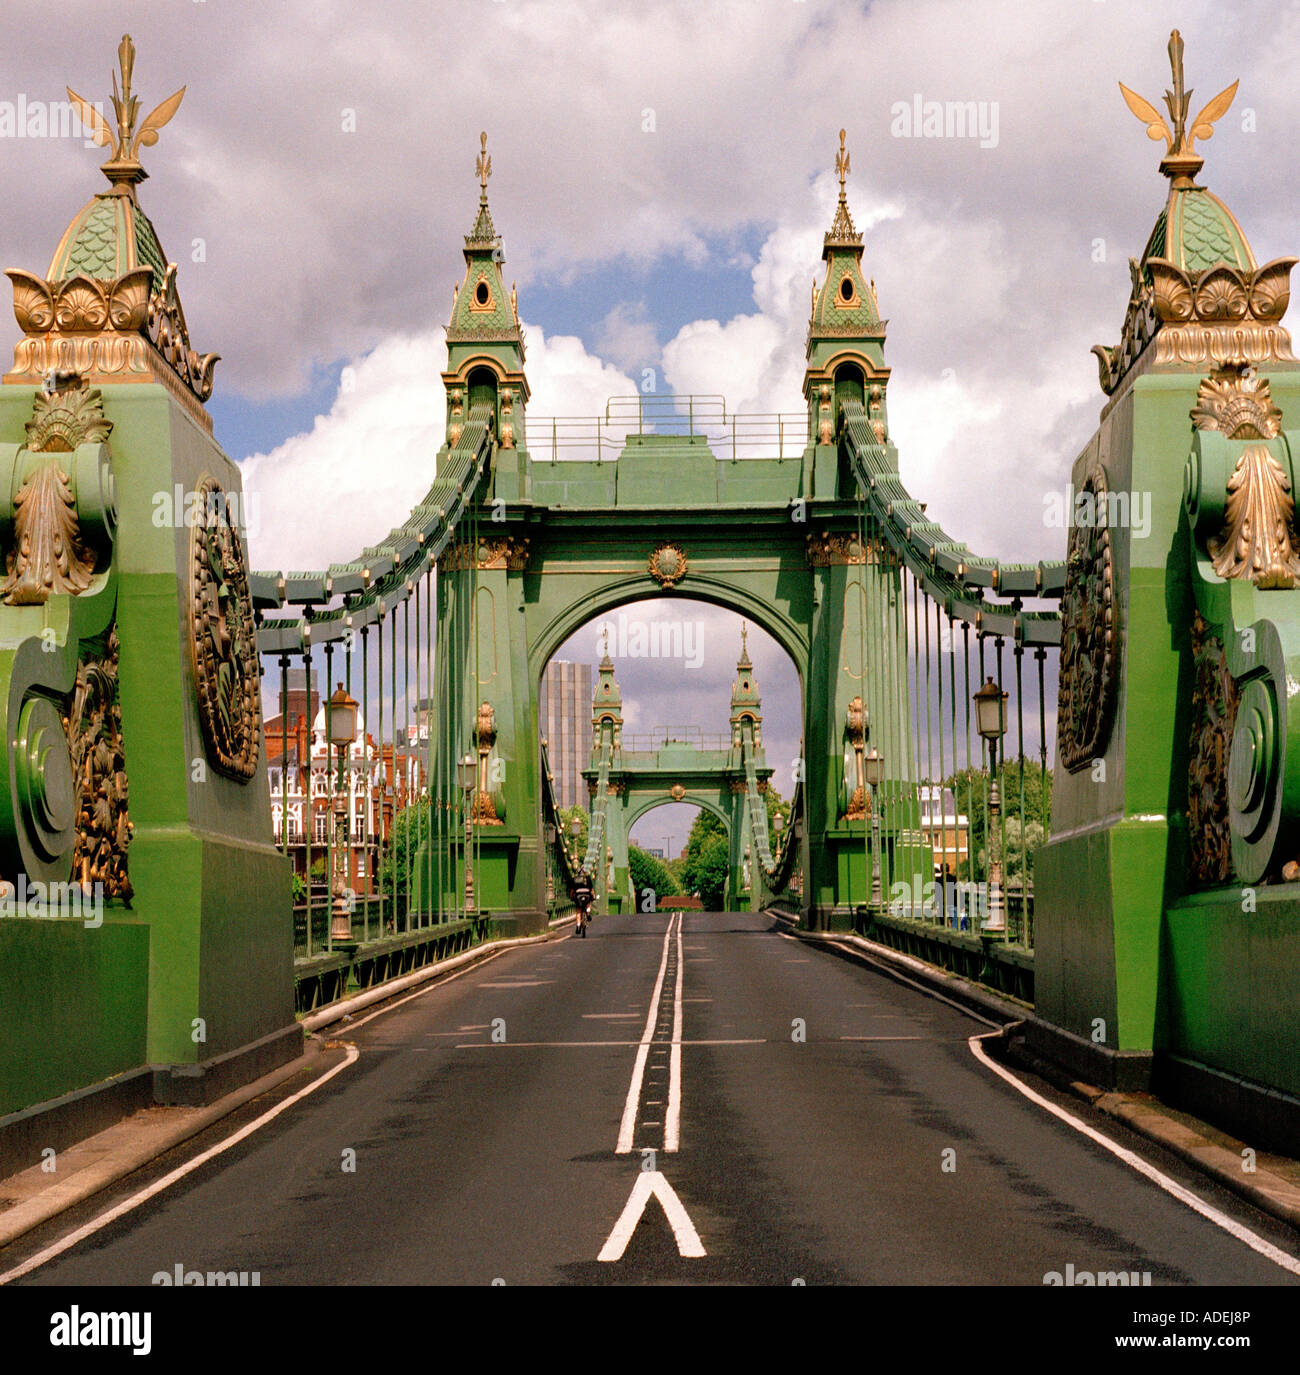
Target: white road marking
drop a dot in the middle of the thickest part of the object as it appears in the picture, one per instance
(655, 1070)
(608, 1016)
(673, 1122)
(95, 1224)
(1157, 1177)
(903, 979)
(652, 1183)
(167, 1180)
(628, 1125)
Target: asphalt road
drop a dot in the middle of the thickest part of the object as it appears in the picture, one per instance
(821, 1124)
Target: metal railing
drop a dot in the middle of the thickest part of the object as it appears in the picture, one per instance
(630, 421)
(655, 739)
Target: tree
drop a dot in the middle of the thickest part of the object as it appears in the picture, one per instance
(776, 806)
(709, 871)
(703, 828)
(708, 858)
(409, 831)
(567, 816)
(970, 788)
(648, 872)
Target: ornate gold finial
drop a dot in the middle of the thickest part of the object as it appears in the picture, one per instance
(483, 167)
(842, 229)
(744, 639)
(1181, 161)
(123, 167)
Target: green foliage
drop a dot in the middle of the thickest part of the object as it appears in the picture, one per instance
(649, 872)
(299, 890)
(567, 816)
(1022, 839)
(397, 860)
(703, 828)
(707, 859)
(708, 871)
(776, 806)
(318, 870)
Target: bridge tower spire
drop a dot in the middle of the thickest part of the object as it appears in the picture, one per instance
(746, 705)
(606, 699)
(485, 342)
(846, 336)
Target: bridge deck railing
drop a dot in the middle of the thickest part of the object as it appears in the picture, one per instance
(952, 850)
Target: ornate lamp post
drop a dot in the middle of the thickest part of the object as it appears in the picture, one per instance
(468, 769)
(991, 720)
(575, 826)
(873, 770)
(341, 731)
(550, 867)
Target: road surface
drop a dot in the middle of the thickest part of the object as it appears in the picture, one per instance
(696, 1098)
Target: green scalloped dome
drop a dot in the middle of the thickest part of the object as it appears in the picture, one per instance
(109, 235)
(1196, 231)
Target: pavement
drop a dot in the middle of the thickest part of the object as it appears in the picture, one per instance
(693, 1099)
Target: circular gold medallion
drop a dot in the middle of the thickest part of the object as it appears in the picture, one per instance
(668, 565)
(223, 638)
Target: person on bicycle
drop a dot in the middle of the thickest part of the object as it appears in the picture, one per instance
(583, 897)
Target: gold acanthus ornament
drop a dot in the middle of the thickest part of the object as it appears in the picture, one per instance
(1258, 540)
(457, 422)
(484, 811)
(855, 730)
(47, 552)
(510, 552)
(827, 550)
(825, 427)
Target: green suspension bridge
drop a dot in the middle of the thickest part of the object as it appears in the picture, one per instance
(1102, 748)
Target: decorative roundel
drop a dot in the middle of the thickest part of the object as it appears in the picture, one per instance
(668, 565)
(223, 638)
(1089, 634)
(677, 792)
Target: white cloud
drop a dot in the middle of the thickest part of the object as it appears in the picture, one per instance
(323, 495)
(627, 337)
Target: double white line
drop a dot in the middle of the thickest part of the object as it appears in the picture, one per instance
(673, 1120)
(653, 1183)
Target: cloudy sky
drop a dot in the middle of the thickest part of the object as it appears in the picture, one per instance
(662, 178)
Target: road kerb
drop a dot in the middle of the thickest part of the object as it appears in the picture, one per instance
(1269, 1192)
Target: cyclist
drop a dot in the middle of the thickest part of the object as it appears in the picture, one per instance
(583, 896)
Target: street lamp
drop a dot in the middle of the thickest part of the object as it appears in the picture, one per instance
(991, 721)
(341, 731)
(468, 769)
(550, 866)
(873, 770)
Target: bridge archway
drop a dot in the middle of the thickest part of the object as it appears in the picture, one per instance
(587, 605)
(703, 763)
